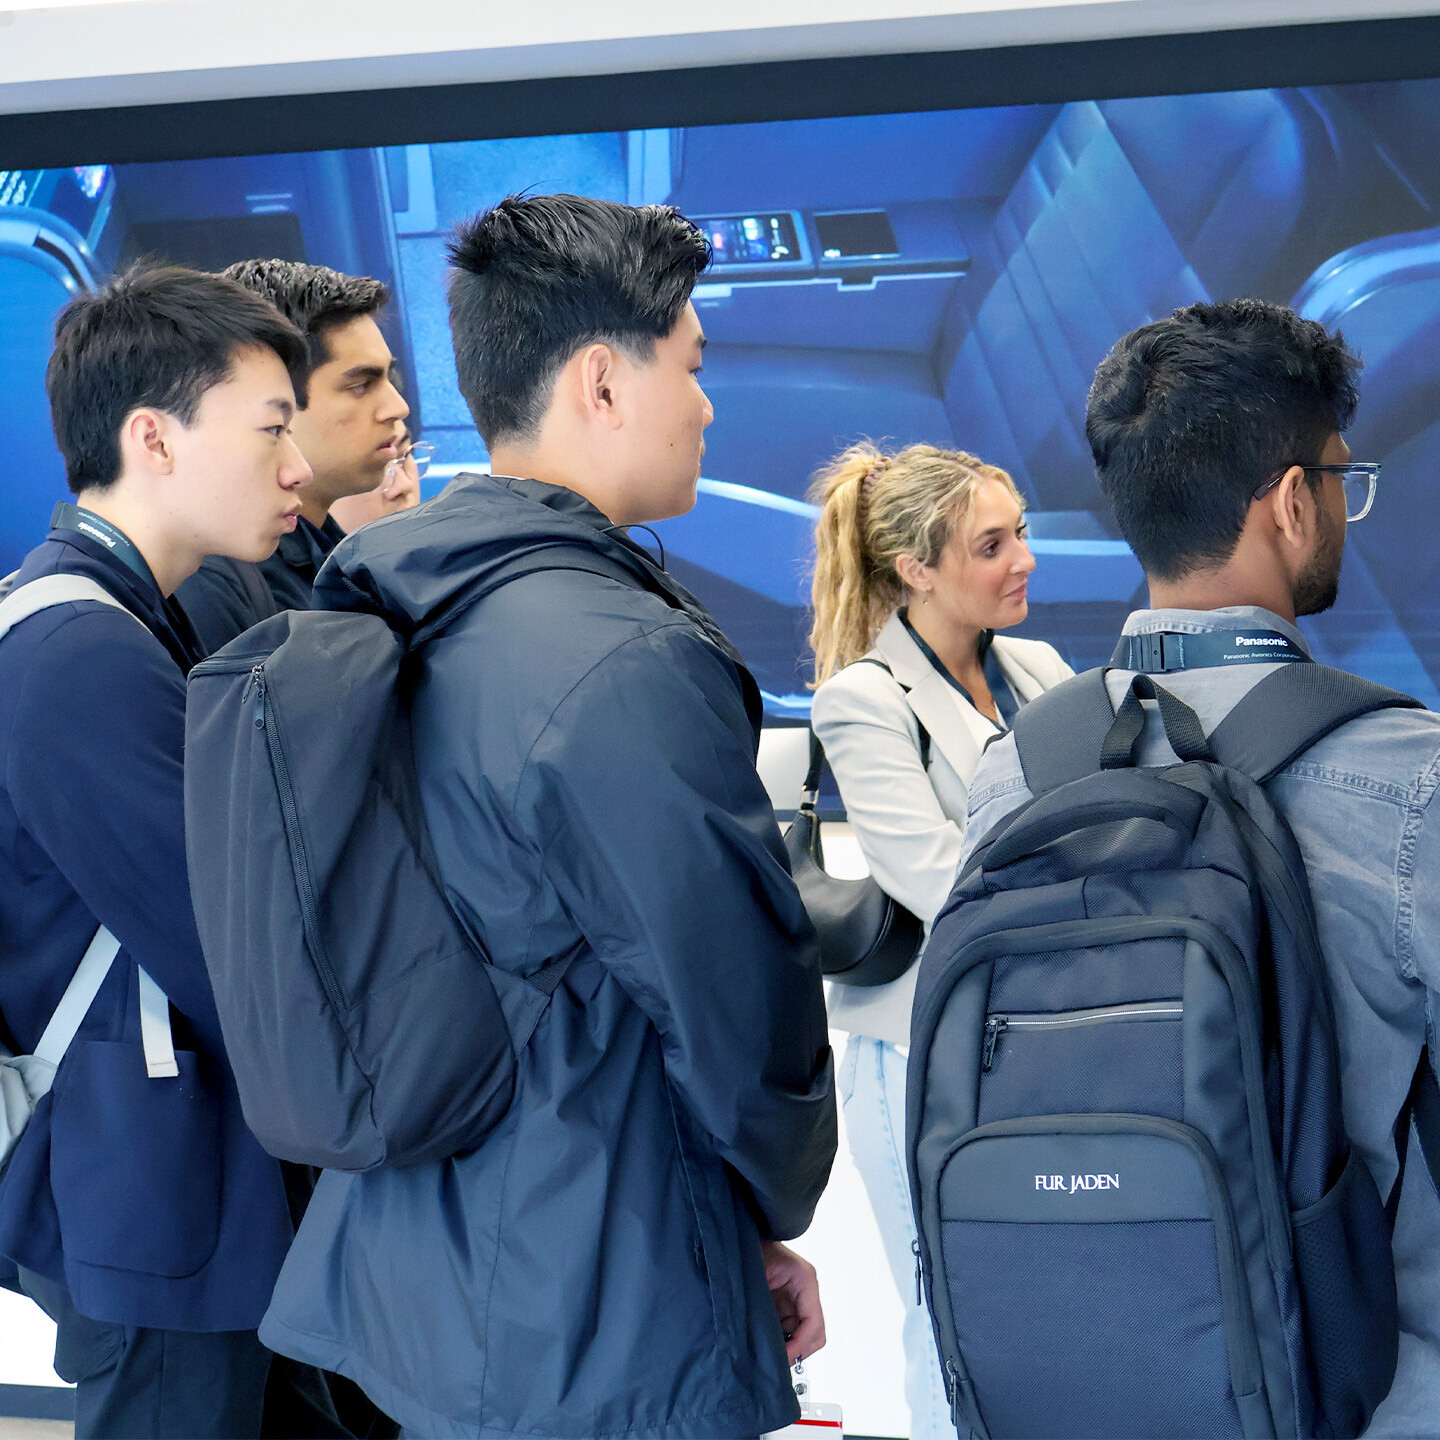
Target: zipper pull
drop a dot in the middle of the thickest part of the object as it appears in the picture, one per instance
(919, 1273)
(257, 675)
(952, 1392)
(995, 1027)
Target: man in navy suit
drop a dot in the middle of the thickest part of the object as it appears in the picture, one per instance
(140, 1212)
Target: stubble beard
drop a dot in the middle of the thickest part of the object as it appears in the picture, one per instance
(1318, 585)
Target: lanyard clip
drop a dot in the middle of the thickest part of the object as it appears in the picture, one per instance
(1156, 653)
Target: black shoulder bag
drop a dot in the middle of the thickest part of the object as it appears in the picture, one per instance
(866, 937)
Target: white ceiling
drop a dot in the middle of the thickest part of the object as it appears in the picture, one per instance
(64, 54)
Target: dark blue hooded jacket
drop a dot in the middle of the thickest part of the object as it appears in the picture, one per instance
(149, 1199)
(585, 747)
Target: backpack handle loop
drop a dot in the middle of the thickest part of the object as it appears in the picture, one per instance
(1182, 726)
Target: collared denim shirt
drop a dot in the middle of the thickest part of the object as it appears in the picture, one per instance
(1360, 803)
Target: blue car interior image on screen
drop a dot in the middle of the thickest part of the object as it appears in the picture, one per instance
(951, 277)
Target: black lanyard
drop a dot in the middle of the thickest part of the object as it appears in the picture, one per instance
(1162, 651)
(1000, 692)
(86, 522)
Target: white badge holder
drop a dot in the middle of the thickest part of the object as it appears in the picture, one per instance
(816, 1419)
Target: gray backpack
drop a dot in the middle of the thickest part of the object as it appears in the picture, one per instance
(1138, 1211)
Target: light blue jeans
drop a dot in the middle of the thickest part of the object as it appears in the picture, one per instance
(872, 1090)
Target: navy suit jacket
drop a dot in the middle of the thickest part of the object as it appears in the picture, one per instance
(149, 1199)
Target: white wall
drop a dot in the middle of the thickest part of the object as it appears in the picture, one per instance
(63, 54)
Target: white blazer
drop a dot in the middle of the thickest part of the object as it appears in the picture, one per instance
(910, 824)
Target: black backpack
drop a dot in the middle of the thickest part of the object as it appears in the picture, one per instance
(364, 1023)
(1138, 1211)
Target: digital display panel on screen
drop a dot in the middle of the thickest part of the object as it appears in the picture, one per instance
(950, 277)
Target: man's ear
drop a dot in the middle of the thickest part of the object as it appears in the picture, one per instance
(1292, 504)
(598, 374)
(147, 441)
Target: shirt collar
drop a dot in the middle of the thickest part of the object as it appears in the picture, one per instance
(1203, 622)
(309, 544)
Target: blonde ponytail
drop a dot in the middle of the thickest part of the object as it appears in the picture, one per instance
(873, 509)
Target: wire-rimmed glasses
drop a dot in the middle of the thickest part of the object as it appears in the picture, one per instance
(1358, 477)
(418, 453)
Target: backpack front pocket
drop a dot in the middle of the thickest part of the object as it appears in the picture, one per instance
(1094, 1282)
(1111, 1058)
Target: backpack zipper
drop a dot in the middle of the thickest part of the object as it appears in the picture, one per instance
(290, 817)
(997, 1025)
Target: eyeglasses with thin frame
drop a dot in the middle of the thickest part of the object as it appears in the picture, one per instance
(1359, 479)
(418, 454)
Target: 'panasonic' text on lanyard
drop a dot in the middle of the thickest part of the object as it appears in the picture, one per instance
(1162, 651)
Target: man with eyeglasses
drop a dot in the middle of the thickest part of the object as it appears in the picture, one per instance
(348, 432)
(399, 490)
(1217, 437)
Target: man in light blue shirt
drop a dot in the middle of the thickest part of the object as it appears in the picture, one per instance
(1217, 437)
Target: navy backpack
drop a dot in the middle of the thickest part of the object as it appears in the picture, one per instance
(1138, 1212)
(363, 1021)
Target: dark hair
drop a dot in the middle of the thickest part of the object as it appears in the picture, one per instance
(313, 298)
(158, 336)
(541, 276)
(1189, 416)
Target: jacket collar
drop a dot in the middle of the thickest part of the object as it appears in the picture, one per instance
(959, 731)
(306, 547)
(634, 556)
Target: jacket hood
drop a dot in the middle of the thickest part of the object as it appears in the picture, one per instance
(411, 567)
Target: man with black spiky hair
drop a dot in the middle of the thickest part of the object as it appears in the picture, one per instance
(609, 1261)
(347, 431)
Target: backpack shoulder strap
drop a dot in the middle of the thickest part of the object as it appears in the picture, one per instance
(1292, 709)
(1060, 734)
(29, 599)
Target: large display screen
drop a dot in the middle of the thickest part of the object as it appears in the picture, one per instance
(949, 276)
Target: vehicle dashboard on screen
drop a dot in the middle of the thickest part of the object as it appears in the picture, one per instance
(948, 276)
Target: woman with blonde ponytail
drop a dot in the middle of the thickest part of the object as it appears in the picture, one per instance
(920, 558)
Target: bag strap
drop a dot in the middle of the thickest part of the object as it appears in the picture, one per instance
(79, 994)
(1060, 733)
(19, 604)
(29, 599)
(810, 791)
(1292, 709)
(924, 734)
(1182, 726)
(1422, 1106)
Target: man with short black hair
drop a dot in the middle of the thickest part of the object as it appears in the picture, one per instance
(142, 1214)
(608, 1261)
(1218, 439)
(347, 430)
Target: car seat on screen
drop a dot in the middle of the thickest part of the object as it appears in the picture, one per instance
(1126, 210)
